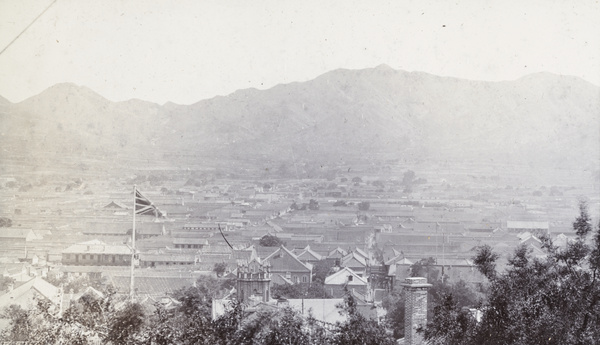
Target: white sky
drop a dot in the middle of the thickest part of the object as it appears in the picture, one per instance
(158, 51)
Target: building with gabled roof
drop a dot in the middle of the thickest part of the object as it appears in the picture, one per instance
(287, 268)
(25, 294)
(336, 255)
(309, 255)
(356, 262)
(12, 235)
(345, 279)
(115, 205)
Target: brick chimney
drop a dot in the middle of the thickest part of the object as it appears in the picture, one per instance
(415, 309)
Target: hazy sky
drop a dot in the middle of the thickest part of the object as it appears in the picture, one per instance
(196, 49)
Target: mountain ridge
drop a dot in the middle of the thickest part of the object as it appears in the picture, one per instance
(341, 114)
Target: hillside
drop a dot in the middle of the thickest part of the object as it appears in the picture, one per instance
(344, 115)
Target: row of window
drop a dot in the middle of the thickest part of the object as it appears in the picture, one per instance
(188, 246)
(296, 279)
(97, 257)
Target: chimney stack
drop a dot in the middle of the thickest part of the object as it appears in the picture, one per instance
(415, 309)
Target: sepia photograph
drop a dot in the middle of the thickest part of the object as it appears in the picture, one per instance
(411, 172)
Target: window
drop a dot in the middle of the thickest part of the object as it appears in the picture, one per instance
(288, 275)
(350, 278)
(304, 279)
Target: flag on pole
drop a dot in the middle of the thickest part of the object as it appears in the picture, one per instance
(144, 206)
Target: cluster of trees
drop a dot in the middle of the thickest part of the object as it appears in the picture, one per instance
(550, 300)
(106, 320)
(5, 222)
(270, 241)
(312, 205)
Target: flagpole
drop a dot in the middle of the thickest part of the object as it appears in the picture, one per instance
(131, 287)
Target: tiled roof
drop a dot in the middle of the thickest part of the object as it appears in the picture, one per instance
(341, 277)
(284, 259)
(14, 233)
(151, 285)
(97, 247)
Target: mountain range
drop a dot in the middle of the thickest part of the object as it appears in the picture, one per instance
(343, 115)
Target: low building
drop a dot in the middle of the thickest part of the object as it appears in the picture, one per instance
(531, 226)
(189, 243)
(97, 253)
(16, 236)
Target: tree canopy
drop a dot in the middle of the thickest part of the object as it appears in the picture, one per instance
(270, 241)
(553, 299)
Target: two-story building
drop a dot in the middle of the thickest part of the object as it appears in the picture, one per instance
(286, 268)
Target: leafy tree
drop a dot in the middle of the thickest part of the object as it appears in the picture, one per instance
(357, 179)
(453, 324)
(425, 268)
(125, 325)
(5, 282)
(282, 327)
(20, 324)
(5, 222)
(378, 183)
(321, 269)
(550, 300)
(198, 298)
(358, 330)
(364, 206)
(40, 325)
(270, 241)
(220, 268)
(394, 304)
(299, 291)
(340, 203)
(313, 205)
(408, 177)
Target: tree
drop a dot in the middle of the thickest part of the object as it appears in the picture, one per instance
(5, 282)
(321, 270)
(220, 268)
(425, 268)
(20, 324)
(297, 291)
(313, 205)
(394, 304)
(550, 300)
(270, 241)
(5, 222)
(408, 177)
(125, 325)
(364, 206)
(358, 330)
(281, 327)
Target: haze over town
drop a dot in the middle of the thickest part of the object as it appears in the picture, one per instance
(325, 154)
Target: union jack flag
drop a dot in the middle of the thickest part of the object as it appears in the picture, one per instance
(144, 206)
